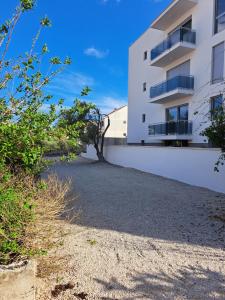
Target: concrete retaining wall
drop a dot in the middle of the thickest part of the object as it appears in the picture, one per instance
(194, 166)
(18, 282)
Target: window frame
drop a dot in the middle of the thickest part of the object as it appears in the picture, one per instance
(212, 106)
(215, 21)
(178, 112)
(186, 62)
(143, 118)
(144, 87)
(145, 55)
(216, 81)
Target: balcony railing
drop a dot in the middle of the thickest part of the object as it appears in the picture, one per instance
(180, 35)
(178, 82)
(171, 128)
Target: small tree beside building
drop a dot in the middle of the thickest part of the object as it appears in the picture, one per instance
(216, 131)
(86, 122)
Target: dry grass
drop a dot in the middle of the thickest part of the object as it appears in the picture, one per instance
(51, 265)
(39, 205)
(49, 204)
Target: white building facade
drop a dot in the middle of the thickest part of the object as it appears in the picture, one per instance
(176, 80)
(176, 74)
(118, 123)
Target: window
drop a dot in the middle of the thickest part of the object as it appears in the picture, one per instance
(178, 113)
(216, 104)
(183, 113)
(180, 70)
(171, 114)
(218, 63)
(187, 24)
(176, 35)
(219, 15)
(145, 55)
(143, 118)
(144, 87)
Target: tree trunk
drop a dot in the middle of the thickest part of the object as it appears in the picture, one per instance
(100, 137)
(99, 153)
(101, 157)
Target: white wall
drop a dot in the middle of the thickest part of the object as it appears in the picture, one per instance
(201, 60)
(118, 123)
(190, 165)
(140, 71)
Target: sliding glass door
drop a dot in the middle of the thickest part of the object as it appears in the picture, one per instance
(177, 119)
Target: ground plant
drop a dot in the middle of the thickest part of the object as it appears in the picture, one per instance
(29, 211)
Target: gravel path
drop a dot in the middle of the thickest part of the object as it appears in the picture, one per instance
(141, 236)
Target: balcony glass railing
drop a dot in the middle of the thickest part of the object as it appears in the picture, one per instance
(171, 128)
(180, 35)
(182, 82)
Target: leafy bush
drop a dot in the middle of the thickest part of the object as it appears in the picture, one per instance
(216, 133)
(60, 146)
(26, 116)
(28, 207)
(28, 210)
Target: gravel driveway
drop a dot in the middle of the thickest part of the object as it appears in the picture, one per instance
(141, 236)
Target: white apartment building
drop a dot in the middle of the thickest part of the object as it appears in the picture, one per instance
(118, 123)
(176, 74)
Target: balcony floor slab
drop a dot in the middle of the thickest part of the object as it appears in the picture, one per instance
(170, 137)
(173, 95)
(176, 52)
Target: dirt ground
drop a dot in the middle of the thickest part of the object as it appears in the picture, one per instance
(139, 236)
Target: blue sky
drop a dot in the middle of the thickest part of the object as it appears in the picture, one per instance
(96, 34)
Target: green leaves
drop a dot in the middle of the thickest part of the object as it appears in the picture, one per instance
(45, 49)
(27, 120)
(85, 91)
(4, 28)
(215, 133)
(55, 61)
(67, 61)
(45, 22)
(27, 4)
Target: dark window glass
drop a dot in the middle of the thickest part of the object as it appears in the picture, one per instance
(171, 114)
(145, 55)
(219, 15)
(143, 118)
(188, 24)
(218, 63)
(144, 87)
(179, 113)
(183, 113)
(216, 104)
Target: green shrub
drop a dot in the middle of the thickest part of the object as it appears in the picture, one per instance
(28, 210)
(16, 211)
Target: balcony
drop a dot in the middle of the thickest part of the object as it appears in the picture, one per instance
(177, 45)
(172, 89)
(174, 11)
(180, 130)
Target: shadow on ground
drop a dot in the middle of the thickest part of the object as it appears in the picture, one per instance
(142, 204)
(187, 283)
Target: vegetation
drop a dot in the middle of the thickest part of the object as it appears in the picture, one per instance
(30, 127)
(85, 122)
(216, 133)
(24, 125)
(28, 213)
(28, 205)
